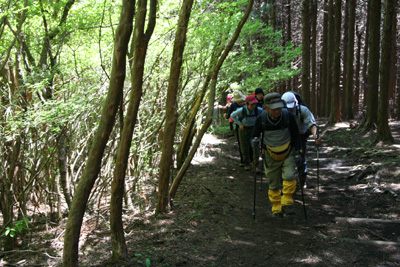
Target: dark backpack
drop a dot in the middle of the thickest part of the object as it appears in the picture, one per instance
(300, 103)
(299, 98)
(285, 118)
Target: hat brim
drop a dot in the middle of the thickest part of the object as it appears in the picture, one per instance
(237, 99)
(290, 105)
(253, 101)
(275, 105)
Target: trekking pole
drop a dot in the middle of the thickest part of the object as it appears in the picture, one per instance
(304, 203)
(317, 164)
(255, 155)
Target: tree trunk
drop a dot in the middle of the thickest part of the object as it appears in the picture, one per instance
(373, 66)
(342, 90)
(324, 65)
(383, 133)
(331, 44)
(356, 96)
(211, 98)
(108, 113)
(393, 70)
(350, 61)
(305, 77)
(313, 98)
(335, 106)
(140, 44)
(171, 107)
(62, 166)
(366, 54)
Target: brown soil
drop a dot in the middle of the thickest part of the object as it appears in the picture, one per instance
(212, 222)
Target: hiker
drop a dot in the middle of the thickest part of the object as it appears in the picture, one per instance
(246, 117)
(280, 141)
(226, 116)
(238, 100)
(259, 94)
(307, 126)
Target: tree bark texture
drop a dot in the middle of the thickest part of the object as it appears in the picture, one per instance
(350, 60)
(373, 65)
(109, 110)
(314, 92)
(335, 105)
(383, 131)
(171, 107)
(324, 64)
(305, 77)
(331, 44)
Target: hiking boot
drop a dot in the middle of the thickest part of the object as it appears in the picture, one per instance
(288, 210)
(278, 215)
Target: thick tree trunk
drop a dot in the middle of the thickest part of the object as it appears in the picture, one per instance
(171, 107)
(373, 65)
(305, 77)
(335, 106)
(109, 110)
(383, 133)
(211, 98)
(350, 60)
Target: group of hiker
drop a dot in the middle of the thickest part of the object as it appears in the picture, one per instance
(277, 127)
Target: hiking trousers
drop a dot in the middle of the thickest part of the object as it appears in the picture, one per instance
(245, 144)
(276, 171)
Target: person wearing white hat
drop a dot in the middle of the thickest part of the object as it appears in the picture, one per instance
(307, 125)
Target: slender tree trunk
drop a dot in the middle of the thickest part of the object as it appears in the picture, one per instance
(305, 77)
(171, 107)
(342, 90)
(373, 65)
(350, 60)
(356, 96)
(211, 98)
(140, 44)
(366, 54)
(313, 98)
(331, 44)
(383, 131)
(62, 166)
(335, 106)
(108, 113)
(324, 65)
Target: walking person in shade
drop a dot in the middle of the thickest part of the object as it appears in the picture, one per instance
(237, 102)
(246, 117)
(280, 139)
(307, 126)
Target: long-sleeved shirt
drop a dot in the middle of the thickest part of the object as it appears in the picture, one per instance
(245, 116)
(304, 118)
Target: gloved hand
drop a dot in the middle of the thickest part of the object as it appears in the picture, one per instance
(299, 159)
(255, 143)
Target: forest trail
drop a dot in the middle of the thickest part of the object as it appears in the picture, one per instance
(212, 222)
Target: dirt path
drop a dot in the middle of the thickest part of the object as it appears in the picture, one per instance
(212, 224)
(212, 221)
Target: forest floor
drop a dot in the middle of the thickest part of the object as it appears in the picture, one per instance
(351, 206)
